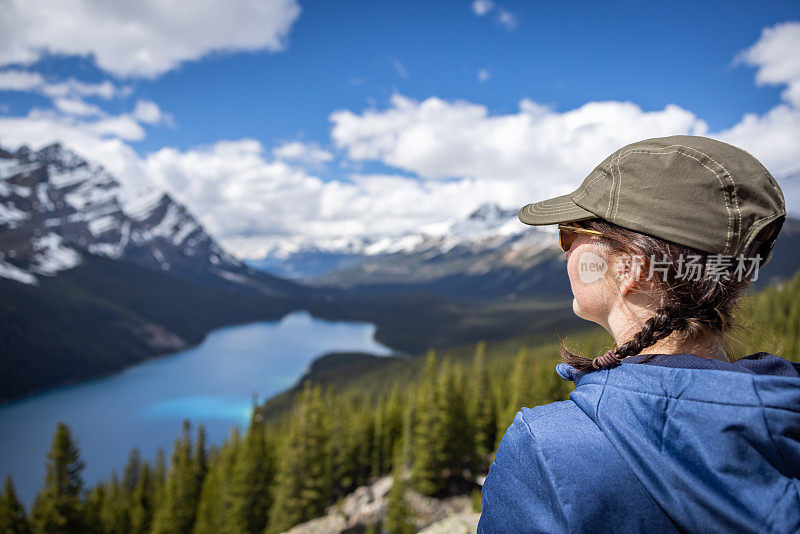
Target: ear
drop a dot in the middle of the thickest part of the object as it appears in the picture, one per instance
(630, 272)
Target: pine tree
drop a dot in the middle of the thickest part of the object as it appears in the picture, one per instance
(519, 389)
(426, 471)
(181, 493)
(114, 510)
(131, 471)
(199, 461)
(58, 507)
(159, 475)
(217, 510)
(388, 427)
(12, 513)
(303, 481)
(481, 410)
(253, 476)
(398, 513)
(351, 442)
(141, 502)
(455, 438)
(93, 509)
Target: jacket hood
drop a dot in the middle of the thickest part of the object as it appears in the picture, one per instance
(712, 442)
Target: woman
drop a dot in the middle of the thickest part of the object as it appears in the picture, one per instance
(663, 433)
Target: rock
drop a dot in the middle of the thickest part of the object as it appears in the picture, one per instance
(329, 524)
(367, 505)
(455, 524)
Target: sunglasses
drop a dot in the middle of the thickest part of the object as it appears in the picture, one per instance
(566, 235)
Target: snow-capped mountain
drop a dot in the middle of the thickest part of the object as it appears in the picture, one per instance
(488, 225)
(55, 205)
(489, 239)
(489, 254)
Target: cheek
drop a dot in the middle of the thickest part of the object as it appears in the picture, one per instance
(589, 278)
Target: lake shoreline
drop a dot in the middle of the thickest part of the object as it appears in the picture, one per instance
(166, 354)
(214, 384)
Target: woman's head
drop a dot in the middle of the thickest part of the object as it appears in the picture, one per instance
(683, 221)
(644, 289)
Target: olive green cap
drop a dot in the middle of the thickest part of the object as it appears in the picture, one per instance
(690, 190)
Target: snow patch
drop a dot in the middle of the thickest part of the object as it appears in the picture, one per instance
(11, 214)
(233, 277)
(186, 227)
(64, 178)
(102, 225)
(160, 258)
(42, 197)
(12, 167)
(110, 250)
(138, 204)
(52, 255)
(15, 273)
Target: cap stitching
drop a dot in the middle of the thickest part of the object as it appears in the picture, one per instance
(545, 207)
(619, 189)
(613, 182)
(557, 204)
(534, 211)
(551, 207)
(662, 152)
(575, 208)
(538, 209)
(729, 175)
(734, 195)
(536, 206)
(589, 184)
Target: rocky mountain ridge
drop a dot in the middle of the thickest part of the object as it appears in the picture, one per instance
(55, 205)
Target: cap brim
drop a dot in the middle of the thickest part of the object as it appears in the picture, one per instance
(553, 211)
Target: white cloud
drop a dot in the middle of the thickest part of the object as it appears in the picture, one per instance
(775, 55)
(307, 153)
(483, 75)
(482, 7)
(507, 19)
(76, 106)
(73, 87)
(503, 16)
(22, 80)
(460, 154)
(541, 149)
(141, 38)
(400, 69)
(773, 137)
(148, 112)
(121, 126)
(39, 128)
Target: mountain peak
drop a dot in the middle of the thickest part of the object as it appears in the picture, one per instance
(54, 203)
(490, 211)
(60, 157)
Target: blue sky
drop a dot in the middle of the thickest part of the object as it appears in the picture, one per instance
(470, 61)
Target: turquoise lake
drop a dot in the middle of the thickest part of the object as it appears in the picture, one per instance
(143, 406)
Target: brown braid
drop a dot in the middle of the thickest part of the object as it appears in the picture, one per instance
(690, 307)
(657, 327)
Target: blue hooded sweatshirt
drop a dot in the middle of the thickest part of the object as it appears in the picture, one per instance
(674, 444)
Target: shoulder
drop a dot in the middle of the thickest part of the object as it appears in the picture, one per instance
(520, 493)
(555, 471)
(561, 429)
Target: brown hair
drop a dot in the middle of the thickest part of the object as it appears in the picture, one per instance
(691, 306)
